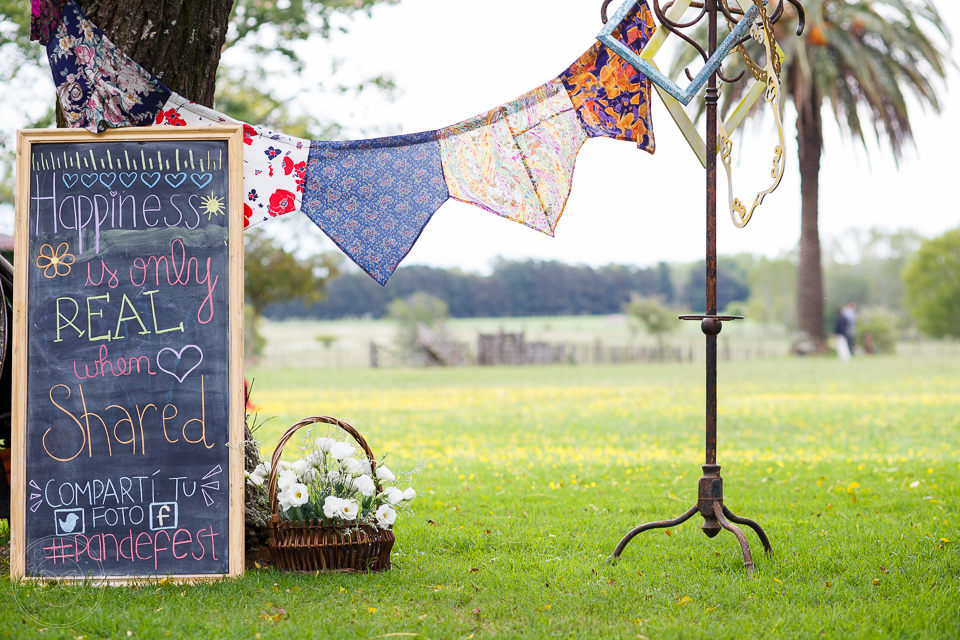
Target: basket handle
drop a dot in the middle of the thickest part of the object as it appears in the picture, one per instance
(275, 459)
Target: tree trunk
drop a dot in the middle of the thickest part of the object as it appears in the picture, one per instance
(809, 274)
(178, 41)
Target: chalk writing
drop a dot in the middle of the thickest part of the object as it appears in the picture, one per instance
(128, 406)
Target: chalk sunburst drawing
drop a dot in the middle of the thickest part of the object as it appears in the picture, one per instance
(212, 205)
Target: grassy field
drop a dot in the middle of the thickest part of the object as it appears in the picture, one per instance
(531, 475)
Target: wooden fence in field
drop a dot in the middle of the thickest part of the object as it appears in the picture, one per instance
(511, 350)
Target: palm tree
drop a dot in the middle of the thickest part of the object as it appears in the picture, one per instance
(863, 57)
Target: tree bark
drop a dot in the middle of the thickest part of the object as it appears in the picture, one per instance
(178, 41)
(810, 318)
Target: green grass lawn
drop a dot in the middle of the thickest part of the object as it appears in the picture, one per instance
(531, 476)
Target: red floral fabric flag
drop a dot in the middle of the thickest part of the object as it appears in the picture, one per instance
(274, 164)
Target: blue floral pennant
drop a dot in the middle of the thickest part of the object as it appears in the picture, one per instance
(374, 197)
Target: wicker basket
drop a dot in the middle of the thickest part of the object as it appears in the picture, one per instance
(313, 546)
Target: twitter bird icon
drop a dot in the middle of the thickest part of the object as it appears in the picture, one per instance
(70, 522)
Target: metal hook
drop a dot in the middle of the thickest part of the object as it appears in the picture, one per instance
(603, 10)
(801, 16)
(730, 80)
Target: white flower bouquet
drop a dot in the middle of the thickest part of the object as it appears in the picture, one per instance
(334, 507)
(335, 483)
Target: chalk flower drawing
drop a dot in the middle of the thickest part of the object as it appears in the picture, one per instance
(51, 261)
(211, 205)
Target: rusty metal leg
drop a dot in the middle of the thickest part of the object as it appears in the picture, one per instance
(753, 525)
(735, 530)
(662, 524)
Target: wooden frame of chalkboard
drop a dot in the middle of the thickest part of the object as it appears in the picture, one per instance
(128, 402)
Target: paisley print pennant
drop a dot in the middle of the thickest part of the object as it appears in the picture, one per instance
(516, 160)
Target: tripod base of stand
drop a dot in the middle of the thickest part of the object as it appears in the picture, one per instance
(716, 517)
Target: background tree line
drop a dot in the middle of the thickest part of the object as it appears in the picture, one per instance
(862, 266)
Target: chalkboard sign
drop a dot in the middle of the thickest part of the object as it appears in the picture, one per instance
(127, 353)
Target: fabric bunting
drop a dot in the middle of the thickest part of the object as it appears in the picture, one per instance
(516, 160)
(611, 97)
(274, 164)
(373, 198)
(98, 86)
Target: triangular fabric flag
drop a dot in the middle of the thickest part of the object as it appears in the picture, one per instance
(274, 164)
(97, 86)
(612, 98)
(374, 197)
(516, 160)
(45, 18)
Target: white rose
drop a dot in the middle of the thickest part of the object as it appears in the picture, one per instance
(284, 499)
(297, 494)
(263, 468)
(364, 484)
(301, 466)
(324, 444)
(409, 494)
(392, 495)
(385, 516)
(349, 509)
(351, 466)
(365, 467)
(284, 465)
(331, 506)
(287, 478)
(256, 478)
(341, 450)
(385, 475)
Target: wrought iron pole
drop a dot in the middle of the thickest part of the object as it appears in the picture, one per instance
(712, 328)
(716, 515)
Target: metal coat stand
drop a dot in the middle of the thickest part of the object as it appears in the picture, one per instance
(710, 505)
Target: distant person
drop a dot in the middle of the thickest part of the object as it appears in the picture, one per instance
(868, 345)
(850, 312)
(840, 334)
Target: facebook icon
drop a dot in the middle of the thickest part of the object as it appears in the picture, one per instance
(163, 515)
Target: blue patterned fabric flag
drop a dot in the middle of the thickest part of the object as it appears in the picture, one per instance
(374, 197)
(99, 87)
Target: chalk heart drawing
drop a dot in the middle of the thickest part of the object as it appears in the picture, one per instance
(70, 179)
(150, 179)
(107, 179)
(178, 355)
(88, 179)
(175, 179)
(201, 179)
(128, 179)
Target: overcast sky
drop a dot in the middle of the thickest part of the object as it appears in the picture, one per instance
(452, 60)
